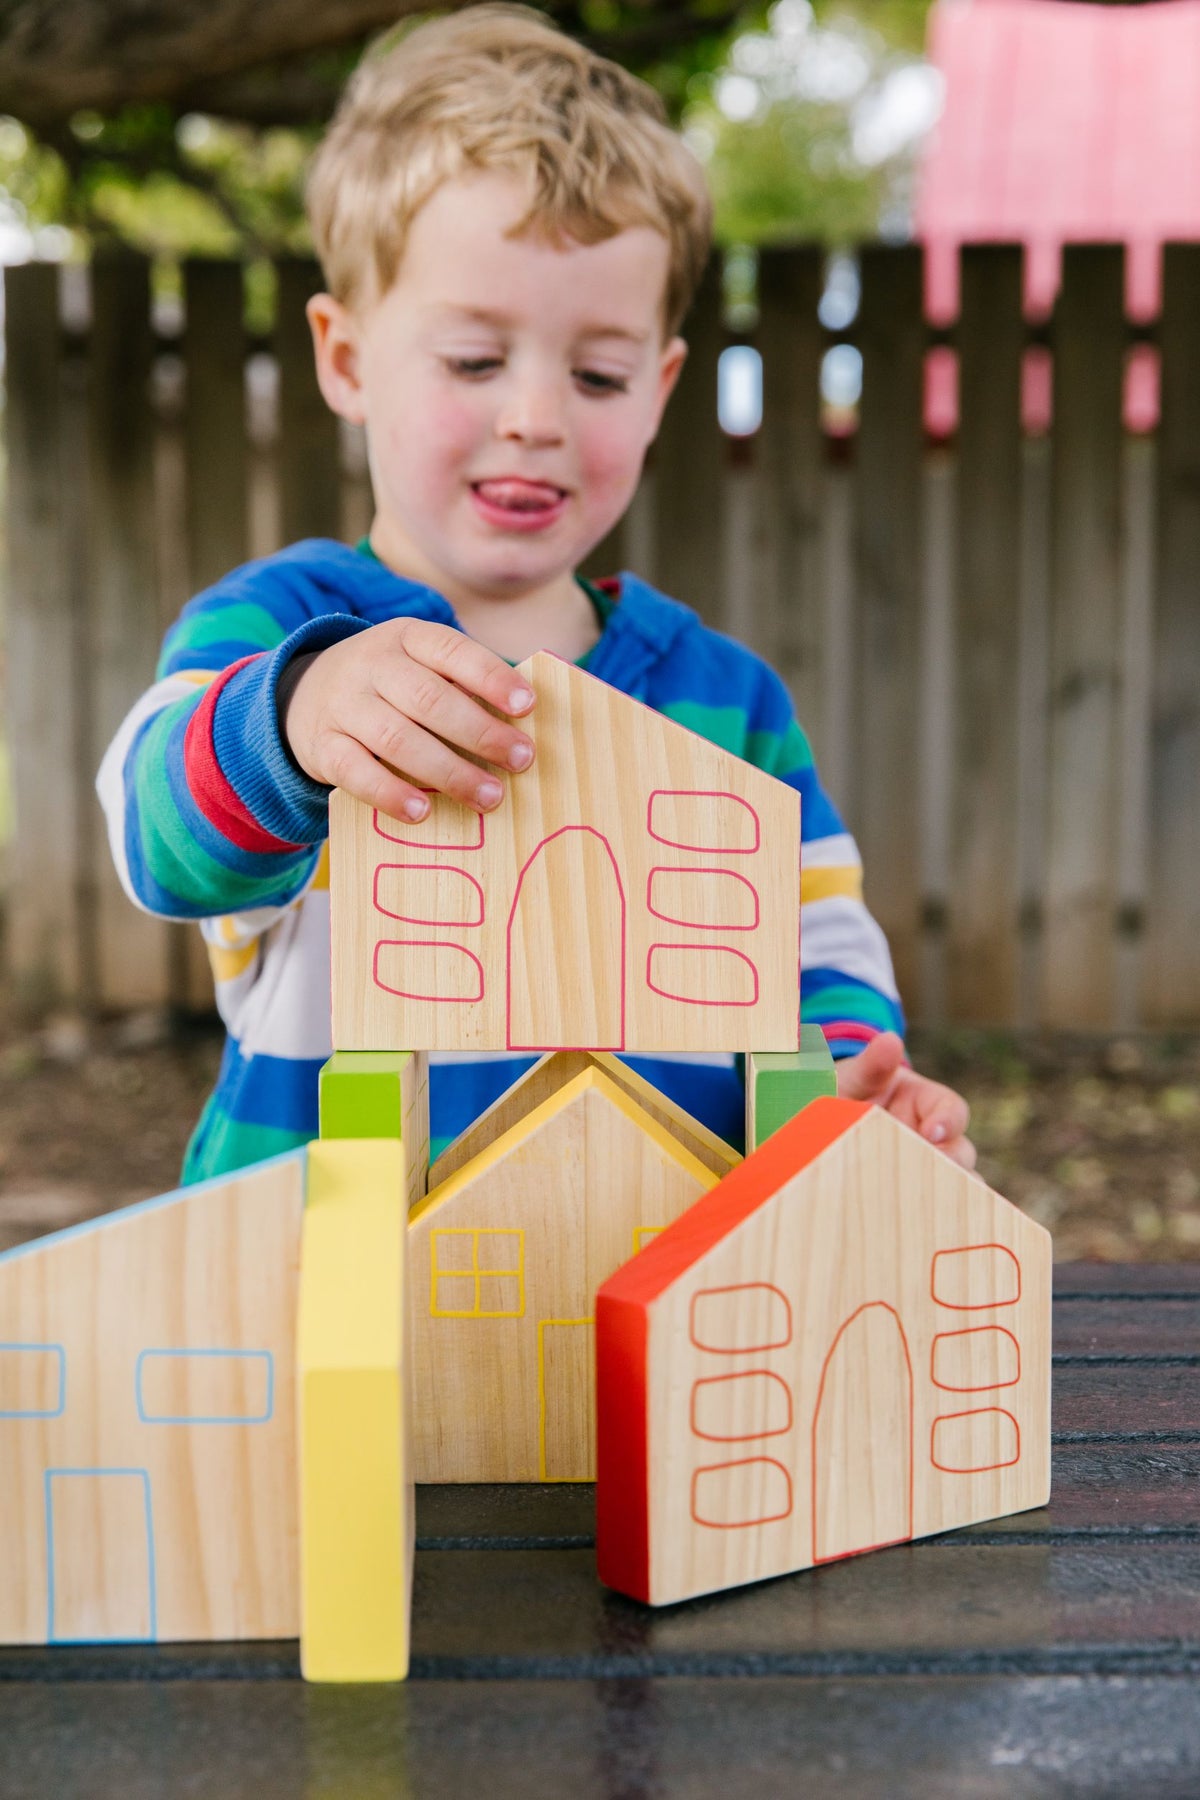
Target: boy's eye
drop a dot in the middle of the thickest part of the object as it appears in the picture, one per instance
(602, 384)
(472, 365)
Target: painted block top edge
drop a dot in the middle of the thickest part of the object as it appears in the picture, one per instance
(734, 1198)
(121, 1215)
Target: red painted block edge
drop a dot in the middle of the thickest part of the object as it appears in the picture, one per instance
(623, 1332)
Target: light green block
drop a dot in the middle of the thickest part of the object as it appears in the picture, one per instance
(361, 1093)
(779, 1084)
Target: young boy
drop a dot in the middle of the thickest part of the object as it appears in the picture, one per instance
(511, 236)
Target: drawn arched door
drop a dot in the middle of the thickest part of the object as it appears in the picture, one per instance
(566, 947)
(862, 1437)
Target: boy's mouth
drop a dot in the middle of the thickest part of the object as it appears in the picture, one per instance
(519, 496)
(510, 504)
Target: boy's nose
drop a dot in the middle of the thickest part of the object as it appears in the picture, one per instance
(533, 414)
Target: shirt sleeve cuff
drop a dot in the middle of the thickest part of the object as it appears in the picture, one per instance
(249, 746)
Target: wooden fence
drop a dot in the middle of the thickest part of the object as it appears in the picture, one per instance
(994, 639)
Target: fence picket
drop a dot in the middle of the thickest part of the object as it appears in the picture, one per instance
(688, 465)
(309, 478)
(123, 623)
(884, 812)
(1078, 979)
(984, 903)
(790, 457)
(1172, 984)
(42, 674)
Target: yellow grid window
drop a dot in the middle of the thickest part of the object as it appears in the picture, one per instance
(477, 1274)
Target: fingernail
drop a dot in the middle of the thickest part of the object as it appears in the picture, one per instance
(520, 756)
(488, 792)
(937, 1133)
(519, 699)
(416, 809)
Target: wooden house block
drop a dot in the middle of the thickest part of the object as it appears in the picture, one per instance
(553, 1072)
(147, 1419)
(356, 1499)
(845, 1344)
(380, 1094)
(779, 1084)
(505, 1259)
(638, 890)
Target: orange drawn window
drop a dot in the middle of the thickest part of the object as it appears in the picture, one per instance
(731, 1496)
(971, 1361)
(972, 1443)
(729, 1321)
(733, 1409)
(477, 1274)
(977, 1276)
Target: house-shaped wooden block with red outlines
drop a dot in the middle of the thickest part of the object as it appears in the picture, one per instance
(844, 1344)
(638, 890)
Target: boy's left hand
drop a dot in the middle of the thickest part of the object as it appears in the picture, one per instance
(880, 1073)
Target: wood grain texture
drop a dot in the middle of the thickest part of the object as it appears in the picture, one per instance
(846, 1344)
(147, 1419)
(505, 1259)
(638, 890)
(553, 1072)
(357, 1510)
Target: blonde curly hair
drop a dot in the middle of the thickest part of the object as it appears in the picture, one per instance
(496, 87)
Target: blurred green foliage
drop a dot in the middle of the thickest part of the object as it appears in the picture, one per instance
(196, 185)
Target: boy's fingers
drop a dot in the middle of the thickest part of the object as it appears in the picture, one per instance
(467, 663)
(415, 692)
(353, 768)
(424, 759)
(869, 1075)
(961, 1151)
(942, 1116)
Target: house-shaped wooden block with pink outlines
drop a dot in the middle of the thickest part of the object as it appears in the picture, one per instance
(637, 890)
(844, 1344)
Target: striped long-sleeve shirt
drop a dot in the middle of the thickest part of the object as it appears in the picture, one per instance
(210, 819)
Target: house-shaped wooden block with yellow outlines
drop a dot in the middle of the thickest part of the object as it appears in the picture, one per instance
(845, 1344)
(505, 1257)
(148, 1419)
(638, 890)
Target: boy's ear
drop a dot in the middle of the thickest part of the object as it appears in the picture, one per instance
(670, 364)
(335, 337)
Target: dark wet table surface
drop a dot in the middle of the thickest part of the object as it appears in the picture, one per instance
(1055, 1652)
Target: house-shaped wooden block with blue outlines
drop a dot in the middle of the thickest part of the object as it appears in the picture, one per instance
(844, 1344)
(148, 1419)
(638, 891)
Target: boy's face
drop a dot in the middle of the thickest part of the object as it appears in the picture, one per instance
(509, 387)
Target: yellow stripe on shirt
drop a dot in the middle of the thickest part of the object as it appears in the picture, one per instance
(825, 884)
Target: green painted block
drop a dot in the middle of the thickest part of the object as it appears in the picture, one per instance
(360, 1093)
(785, 1081)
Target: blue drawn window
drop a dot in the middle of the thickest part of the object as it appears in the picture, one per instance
(205, 1387)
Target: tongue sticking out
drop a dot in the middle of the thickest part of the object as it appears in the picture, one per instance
(520, 496)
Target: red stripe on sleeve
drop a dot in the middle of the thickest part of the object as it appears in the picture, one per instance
(207, 783)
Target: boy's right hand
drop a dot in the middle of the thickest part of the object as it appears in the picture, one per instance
(400, 695)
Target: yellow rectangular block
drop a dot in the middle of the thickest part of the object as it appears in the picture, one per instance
(356, 1493)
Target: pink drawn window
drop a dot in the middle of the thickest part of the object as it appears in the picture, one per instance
(730, 1321)
(703, 819)
(428, 894)
(731, 1496)
(416, 970)
(733, 1409)
(973, 1443)
(703, 899)
(974, 1360)
(977, 1276)
(702, 975)
(446, 826)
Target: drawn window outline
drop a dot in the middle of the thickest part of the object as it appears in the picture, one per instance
(475, 1262)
